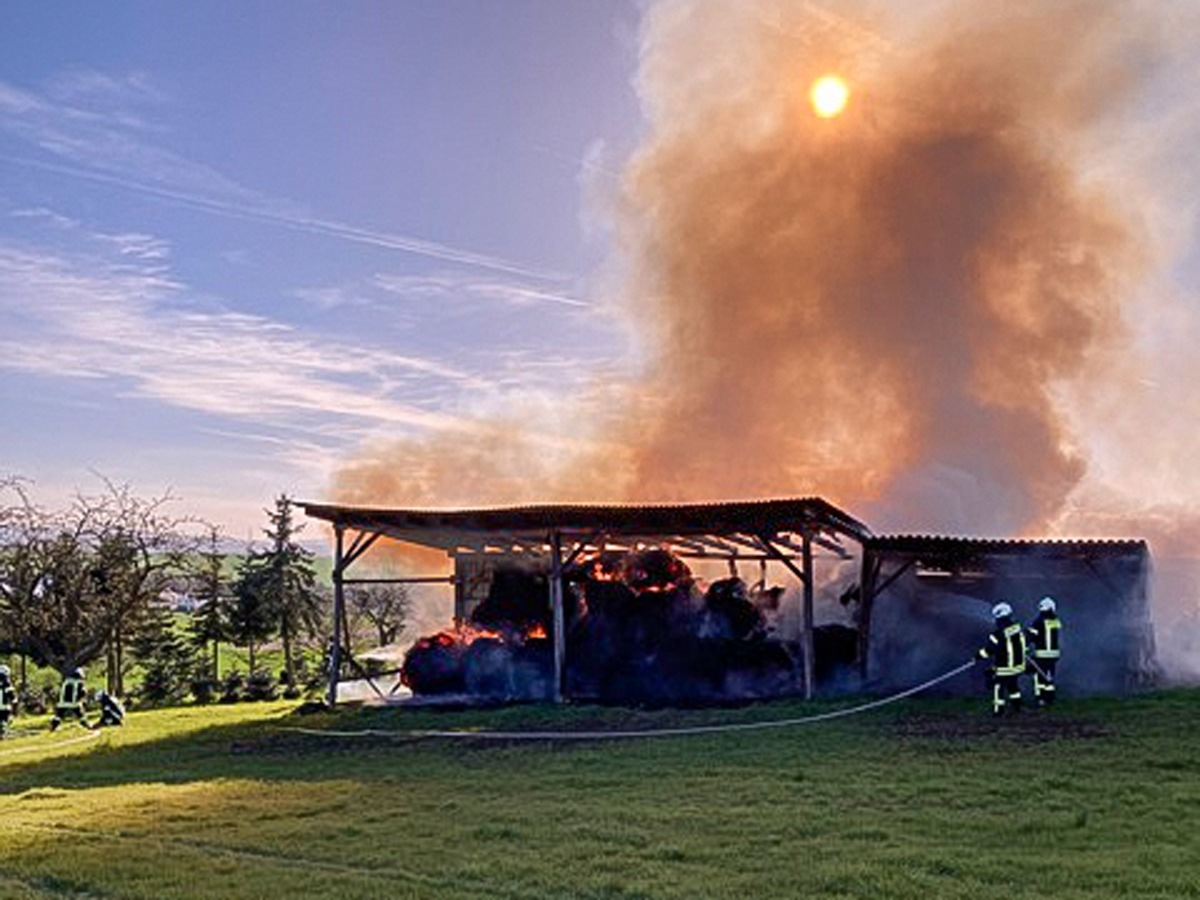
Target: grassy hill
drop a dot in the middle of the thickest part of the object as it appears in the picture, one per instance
(926, 798)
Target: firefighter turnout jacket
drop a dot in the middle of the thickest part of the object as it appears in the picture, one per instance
(112, 710)
(1046, 636)
(72, 693)
(8, 696)
(1005, 648)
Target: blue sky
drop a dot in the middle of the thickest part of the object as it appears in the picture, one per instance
(242, 243)
(237, 240)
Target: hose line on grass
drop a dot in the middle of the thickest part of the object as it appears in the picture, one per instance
(90, 736)
(640, 733)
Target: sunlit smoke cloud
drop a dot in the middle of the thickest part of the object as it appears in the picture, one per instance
(956, 305)
(879, 307)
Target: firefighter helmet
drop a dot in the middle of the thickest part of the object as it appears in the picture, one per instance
(4, 671)
(77, 673)
(1046, 604)
(1001, 610)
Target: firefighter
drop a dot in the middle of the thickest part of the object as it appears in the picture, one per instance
(8, 699)
(1005, 650)
(1046, 636)
(70, 700)
(112, 710)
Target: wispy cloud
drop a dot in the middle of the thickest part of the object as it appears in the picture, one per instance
(46, 215)
(104, 136)
(591, 162)
(124, 317)
(292, 450)
(336, 297)
(80, 85)
(457, 287)
(85, 122)
(142, 247)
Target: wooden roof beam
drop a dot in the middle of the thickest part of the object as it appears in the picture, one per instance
(694, 546)
(722, 546)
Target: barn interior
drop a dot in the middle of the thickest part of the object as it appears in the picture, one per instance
(929, 599)
(713, 602)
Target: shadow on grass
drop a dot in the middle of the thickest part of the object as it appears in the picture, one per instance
(268, 747)
(246, 809)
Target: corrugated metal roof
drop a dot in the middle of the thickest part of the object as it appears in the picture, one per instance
(449, 527)
(941, 543)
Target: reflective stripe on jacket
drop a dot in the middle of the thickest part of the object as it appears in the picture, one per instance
(72, 693)
(1006, 649)
(1046, 632)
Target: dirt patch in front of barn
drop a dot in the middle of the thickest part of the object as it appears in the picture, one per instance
(1025, 728)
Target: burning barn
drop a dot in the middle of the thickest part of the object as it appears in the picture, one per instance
(708, 602)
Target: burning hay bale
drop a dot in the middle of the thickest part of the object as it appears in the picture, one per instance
(502, 653)
(434, 665)
(481, 664)
(638, 630)
(518, 601)
(729, 613)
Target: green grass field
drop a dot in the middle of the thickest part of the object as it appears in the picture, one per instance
(926, 798)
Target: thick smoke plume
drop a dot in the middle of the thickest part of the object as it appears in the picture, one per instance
(876, 307)
(889, 308)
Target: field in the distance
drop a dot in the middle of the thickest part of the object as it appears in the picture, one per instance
(926, 798)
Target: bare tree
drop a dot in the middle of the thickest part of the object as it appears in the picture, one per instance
(24, 529)
(138, 548)
(74, 584)
(381, 607)
(49, 584)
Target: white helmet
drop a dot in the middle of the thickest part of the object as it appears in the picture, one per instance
(1046, 604)
(1000, 610)
(4, 671)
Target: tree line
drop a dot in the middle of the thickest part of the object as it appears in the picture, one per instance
(86, 584)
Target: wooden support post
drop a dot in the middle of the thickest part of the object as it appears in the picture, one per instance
(556, 605)
(870, 588)
(866, 604)
(339, 605)
(809, 644)
(805, 575)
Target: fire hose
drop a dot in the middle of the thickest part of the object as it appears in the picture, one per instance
(639, 733)
(90, 736)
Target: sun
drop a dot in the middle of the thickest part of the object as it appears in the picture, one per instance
(829, 95)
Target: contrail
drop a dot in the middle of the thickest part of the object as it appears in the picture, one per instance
(311, 225)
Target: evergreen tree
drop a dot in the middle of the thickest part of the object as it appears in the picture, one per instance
(210, 624)
(167, 659)
(251, 616)
(290, 583)
(277, 588)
